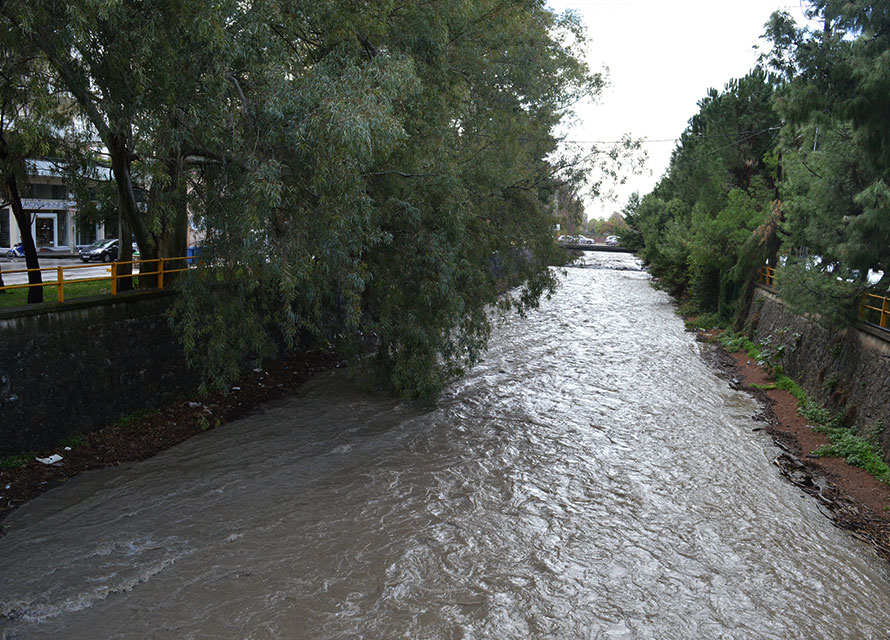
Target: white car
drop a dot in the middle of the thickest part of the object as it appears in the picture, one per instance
(584, 240)
(613, 241)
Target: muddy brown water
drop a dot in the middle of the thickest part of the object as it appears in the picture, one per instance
(592, 478)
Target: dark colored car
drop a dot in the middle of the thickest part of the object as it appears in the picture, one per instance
(104, 250)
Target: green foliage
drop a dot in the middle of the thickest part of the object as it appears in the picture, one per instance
(818, 416)
(833, 94)
(133, 419)
(363, 175)
(856, 450)
(74, 441)
(734, 342)
(400, 189)
(719, 188)
(704, 321)
(16, 461)
(789, 385)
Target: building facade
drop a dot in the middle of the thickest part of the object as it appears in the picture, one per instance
(52, 212)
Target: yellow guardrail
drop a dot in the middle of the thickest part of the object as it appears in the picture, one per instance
(162, 267)
(873, 307)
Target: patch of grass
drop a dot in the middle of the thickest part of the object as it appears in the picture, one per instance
(76, 441)
(132, 419)
(819, 417)
(73, 289)
(764, 387)
(16, 461)
(734, 342)
(856, 450)
(789, 385)
(705, 321)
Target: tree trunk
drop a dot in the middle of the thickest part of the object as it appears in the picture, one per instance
(35, 294)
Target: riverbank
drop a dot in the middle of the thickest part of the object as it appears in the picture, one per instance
(142, 435)
(850, 497)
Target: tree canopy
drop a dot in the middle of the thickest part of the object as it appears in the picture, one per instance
(372, 176)
(790, 165)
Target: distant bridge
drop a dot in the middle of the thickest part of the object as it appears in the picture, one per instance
(594, 247)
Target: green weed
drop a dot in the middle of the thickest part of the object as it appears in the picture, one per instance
(856, 450)
(131, 420)
(17, 461)
(76, 441)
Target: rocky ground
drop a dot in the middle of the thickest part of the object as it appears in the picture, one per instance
(141, 436)
(852, 498)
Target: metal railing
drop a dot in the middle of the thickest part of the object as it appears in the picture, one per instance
(161, 266)
(873, 309)
(768, 276)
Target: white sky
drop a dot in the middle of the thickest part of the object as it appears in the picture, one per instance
(662, 57)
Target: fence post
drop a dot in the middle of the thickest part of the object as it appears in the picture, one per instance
(60, 288)
(114, 278)
(160, 273)
(884, 311)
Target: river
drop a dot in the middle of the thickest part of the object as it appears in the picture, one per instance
(591, 478)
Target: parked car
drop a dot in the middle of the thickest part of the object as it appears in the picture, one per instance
(104, 250)
(613, 241)
(584, 240)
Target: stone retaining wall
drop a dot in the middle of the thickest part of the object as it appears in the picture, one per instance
(77, 367)
(847, 372)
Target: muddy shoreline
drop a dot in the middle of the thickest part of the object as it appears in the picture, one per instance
(143, 435)
(850, 497)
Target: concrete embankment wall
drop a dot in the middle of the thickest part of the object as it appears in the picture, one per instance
(77, 367)
(847, 372)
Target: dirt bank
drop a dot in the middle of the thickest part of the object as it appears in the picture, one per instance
(852, 498)
(141, 436)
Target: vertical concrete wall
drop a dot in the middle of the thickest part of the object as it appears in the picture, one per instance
(74, 368)
(847, 372)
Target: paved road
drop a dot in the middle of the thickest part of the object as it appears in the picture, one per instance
(75, 269)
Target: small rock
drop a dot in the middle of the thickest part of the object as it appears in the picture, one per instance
(236, 388)
(195, 405)
(54, 458)
(257, 370)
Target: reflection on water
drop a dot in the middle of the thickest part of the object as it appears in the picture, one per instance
(591, 478)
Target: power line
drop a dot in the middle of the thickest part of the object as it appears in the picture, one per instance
(647, 140)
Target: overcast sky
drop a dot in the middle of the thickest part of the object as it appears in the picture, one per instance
(662, 57)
